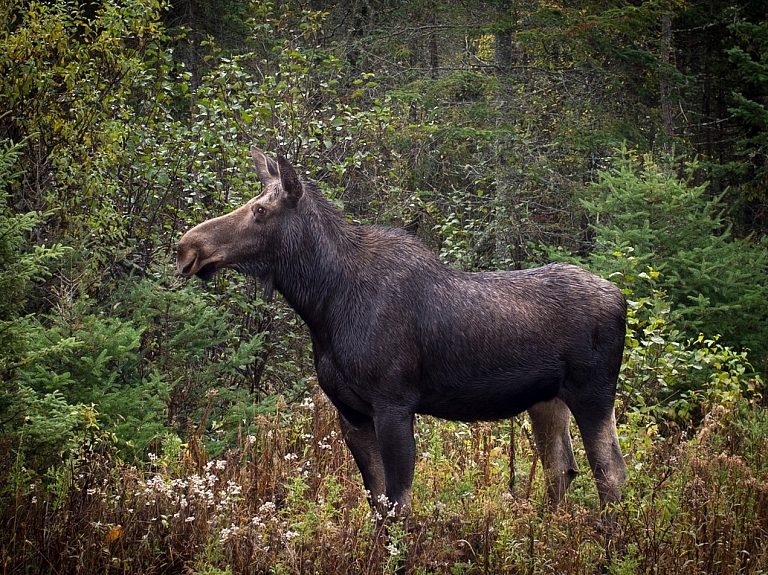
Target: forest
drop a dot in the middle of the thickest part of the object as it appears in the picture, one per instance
(155, 425)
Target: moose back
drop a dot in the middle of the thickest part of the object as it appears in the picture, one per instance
(396, 332)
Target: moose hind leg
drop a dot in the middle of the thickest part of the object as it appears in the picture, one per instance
(361, 440)
(551, 430)
(601, 442)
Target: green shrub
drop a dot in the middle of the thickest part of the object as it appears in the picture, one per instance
(717, 284)
(36, 424)
(669, 378)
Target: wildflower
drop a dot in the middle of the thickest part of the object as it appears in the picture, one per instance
(227, 532)
(268, 507)
(392, 548)
(291, 535)
(308, 403)
(290, 456)
(233, 487)
(179, 484)
(189, 519)
(250, 440)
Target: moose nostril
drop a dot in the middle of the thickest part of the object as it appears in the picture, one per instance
(186, 269)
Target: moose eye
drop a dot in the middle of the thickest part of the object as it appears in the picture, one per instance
(260, 211)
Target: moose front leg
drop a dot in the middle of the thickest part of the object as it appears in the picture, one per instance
(394, 432)
(361, 440)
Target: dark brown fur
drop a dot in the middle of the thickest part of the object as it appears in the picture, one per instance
(395, 332)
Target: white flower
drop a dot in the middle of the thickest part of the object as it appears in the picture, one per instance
(268, 507)
(307, 403)
(227, 532)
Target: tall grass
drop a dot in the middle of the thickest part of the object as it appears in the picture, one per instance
(288, 499)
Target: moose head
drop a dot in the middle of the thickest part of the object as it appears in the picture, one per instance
(248, 238)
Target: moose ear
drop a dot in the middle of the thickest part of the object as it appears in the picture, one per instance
(290, 181)
(265, 166)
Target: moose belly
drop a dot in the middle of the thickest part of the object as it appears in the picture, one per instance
(486, 397)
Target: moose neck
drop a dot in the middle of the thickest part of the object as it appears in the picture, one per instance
(317, 262)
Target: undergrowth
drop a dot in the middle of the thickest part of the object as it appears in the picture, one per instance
(289, 500)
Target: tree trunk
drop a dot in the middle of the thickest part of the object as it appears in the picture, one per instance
(506, 225)
(433, 61)
(665, 87)
(503, 39)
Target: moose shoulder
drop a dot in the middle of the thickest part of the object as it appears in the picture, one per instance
(395, 332)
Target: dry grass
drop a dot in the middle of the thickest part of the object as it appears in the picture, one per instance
(289, 500)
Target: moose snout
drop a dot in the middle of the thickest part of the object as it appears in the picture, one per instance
(193, 258)
(185, 263)
(190, 255)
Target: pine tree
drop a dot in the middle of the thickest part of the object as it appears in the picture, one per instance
(751, 62)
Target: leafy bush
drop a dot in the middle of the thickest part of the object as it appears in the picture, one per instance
(717, 283)
(37, 424)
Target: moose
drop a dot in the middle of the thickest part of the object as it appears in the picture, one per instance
(396, 332)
